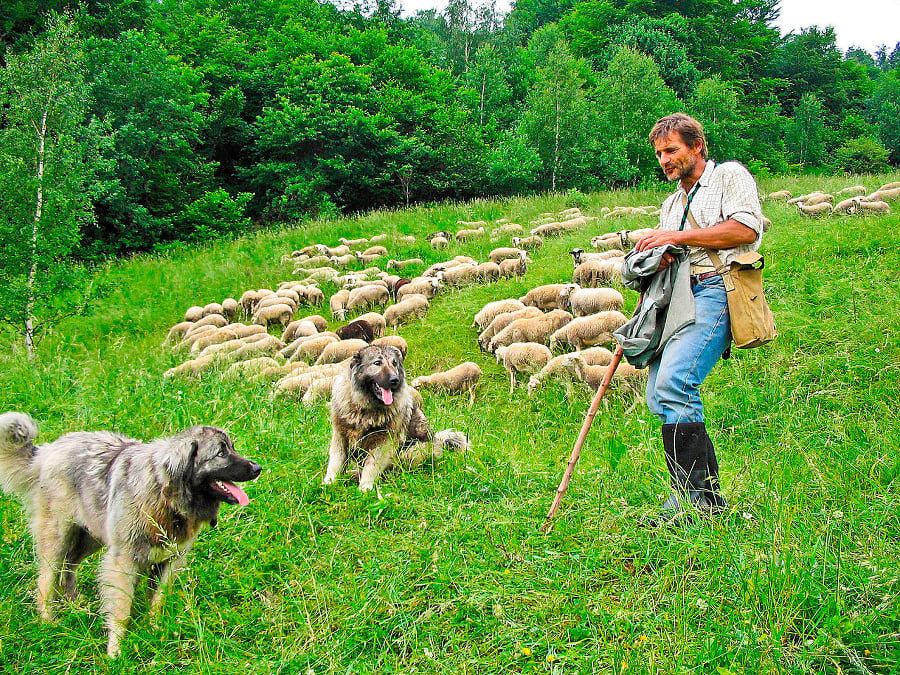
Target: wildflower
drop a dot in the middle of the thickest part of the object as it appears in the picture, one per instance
(507, 572)
(526, 651)
(624, 665)
(643, 639)
(551, 658)
(866, 652)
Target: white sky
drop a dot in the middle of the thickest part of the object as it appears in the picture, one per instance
(863, 23)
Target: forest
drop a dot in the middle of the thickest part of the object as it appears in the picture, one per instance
(130, 125)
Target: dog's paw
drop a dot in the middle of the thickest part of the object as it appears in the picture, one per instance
(366, 487)
(329, 480)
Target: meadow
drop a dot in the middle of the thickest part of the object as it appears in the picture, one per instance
(444, 569)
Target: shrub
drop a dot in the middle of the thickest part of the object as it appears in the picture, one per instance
(862, 155)
(214, 215)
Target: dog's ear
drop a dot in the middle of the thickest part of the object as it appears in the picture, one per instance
(356, 361)
(395, 352)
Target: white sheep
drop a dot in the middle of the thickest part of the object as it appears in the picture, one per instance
(353, 242)
(378, 250)
(873, 207)
(505, 230)
(248, 301)
(532, 243)
(265, 345)
(334, 352)
(470, 234)
(378, 238)
(543, 297)
(846, 206)
(243, 330)
(178, 331)
(459, 275)
(368, 258)
(816, 210)
(502, 253)
(341, 249)
(230, 308)
(393, 341)
(337, 303)
(626, 374)
(314, 261)
(515, 267)
(522, 358)
(488, 271)
(194, 313)
(375, 320)
(585, 301)
(412, 306)
(852, 191)
(780, 196)
(215, 320)
(368, 296)
(242, 370)
(459, 379)
(536, 329)
(439, 242)
(885, 195)
(427, 286)
(281, 313)
(343, 260)
(318, 390)
(309, 348)
(493, 309)
(298, 381)
(560, 368)
(299, 328)
(403, 264)
(592, 330)
(501, 321)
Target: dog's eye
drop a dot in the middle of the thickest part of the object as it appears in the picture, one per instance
(378, 362)
(223, 452)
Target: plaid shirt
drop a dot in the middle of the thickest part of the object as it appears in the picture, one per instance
(726, 191)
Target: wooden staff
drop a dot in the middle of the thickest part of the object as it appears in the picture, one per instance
(576, 451)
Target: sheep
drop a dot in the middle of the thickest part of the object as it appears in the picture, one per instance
(459, 275)
(592, 330)
(818, 199)
(885, 195)
(472, 223)
(314, 261)
(178, 331)
(803, 198)
(501, 321)
(271, 300)
(457, 380)
(287, 292)
(408, 239)
(299, 328)
(340, 350)
(555, 229)
(268, 344)
(222, 348)
(274, 314)
(625, 373)
(488, 272)
(247, 301)
(438, 243)
(538, 329)
(353, 242)
(229, 308)
(194, 313)
(846, 206)
(192, 366)
(413, 306)
(192, 335)
(394, 341)
(606, 241)
(368, 258)
(500, 254)
(367, 296)
(532, 243)
(560, 368)
(566, 214)
(515, 267)
(779, 196)
(215, 320)
(873, 207)
(340, 249)
(318, 389)
(543, 297)
(469, 235)
(403, 264)
(594, 273)
(212, 337)
(338, 303)
(505, 230)
(375, 320)
(427, 286)
(293, 347)
(358, 329)
(309, 349)
(579, 256)
(889, 186)
(378, 238)
(241, 370)
(585, 301)
(522, 357)
(816, 210)
(243, 330)
(342, 260)
(493, 309)
(320, 274)
(852, 191)
(299, 381)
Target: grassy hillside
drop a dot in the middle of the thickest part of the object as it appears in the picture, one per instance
(444, 571)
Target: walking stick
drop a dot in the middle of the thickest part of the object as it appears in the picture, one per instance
(576, 451)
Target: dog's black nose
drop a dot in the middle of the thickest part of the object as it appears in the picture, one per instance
(395, 382)
(255, 469)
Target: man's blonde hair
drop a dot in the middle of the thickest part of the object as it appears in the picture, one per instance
(686, 126)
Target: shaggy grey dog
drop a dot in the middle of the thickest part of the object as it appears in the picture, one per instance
(146, 502)
(376, 419)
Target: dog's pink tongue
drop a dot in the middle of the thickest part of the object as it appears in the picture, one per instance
(387, 397)
(236, 492)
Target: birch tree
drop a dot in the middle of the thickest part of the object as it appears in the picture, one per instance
(44, 174)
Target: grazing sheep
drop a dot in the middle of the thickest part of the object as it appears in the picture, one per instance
(606, 241)
(192, 367)
(288, 292)
(459, 379)
(889, 186)
(271, 300)
(368, 258)
(298, 382)
(338, 303)
(353, 242)
(248, 301)
(459, 275)
(242, 370)
(266, 345)
(816, 210)
(342, 260)
(532, 243)
(427, 286)
(378, 238)
(212, 337)
(318, 390)
(885, 195)
(579, 256)
(626, 374)
(299, 328)
(215, 320)
(230, 308)
(504, 252)
(515, 267)
(314, 261)
(341, 249)
(274, 314)
(846, 206)
(586, 301)
(543, 297)
(592, 330)
(873, 207)
(412, 306)
(506, 230)
(408, 239)
(818, 199)
(403, 264)
(335, 352)
(522, 357)
(194, 313)
(493, 309)
(488, 272)
(375, 320)
(556, 229)
(501, 321)
(779, 196)
(320, 274)
(472, 223)
(394, 341)
(368, 296)
(222, 349)
(178, 331)
(560, 368)
(358, 329)
(309, 348)
(192, 335)
(852, 191)
(243, 330)
(438, 243)
(469, 235)
(378, 250)
(537, 329)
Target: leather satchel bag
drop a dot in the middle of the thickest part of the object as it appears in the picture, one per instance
(752, 322)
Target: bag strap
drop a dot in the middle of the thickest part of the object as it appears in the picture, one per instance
(711, 252)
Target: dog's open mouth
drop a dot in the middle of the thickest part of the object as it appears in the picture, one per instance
(229, 492)
(386, 396)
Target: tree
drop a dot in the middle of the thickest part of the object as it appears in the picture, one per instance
(884, 112)
(45, 175)
(715, 104)
(806, 133)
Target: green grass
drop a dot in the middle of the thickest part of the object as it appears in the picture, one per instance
(446, 571)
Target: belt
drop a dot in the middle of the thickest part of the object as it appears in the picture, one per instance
(706, 275)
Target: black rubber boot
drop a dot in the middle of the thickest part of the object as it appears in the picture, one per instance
(694, 471)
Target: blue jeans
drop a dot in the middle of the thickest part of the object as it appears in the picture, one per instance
(674, 379)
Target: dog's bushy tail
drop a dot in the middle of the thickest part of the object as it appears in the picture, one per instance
(450, 440)
(17, 470)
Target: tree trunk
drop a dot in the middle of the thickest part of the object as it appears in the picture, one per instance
(481, 105)
(38, 208)
(555, 148)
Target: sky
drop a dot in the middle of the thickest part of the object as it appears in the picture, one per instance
(862, 23)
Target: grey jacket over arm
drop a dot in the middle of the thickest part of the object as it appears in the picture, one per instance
(667, 303)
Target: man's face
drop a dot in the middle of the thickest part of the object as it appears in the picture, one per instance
(677, 159)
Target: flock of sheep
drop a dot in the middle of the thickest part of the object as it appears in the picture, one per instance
(522, 333)
(848, 201)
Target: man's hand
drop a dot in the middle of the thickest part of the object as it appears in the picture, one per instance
(660, 238)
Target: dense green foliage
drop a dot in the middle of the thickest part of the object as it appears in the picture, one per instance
(445, 571)
(311, 109)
